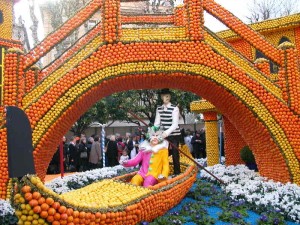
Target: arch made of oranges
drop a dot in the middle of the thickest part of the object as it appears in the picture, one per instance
(262, 117)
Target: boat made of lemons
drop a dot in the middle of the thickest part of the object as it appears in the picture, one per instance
(108, 201)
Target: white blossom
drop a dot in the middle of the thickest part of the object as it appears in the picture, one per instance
(242, 183)
(5, 208)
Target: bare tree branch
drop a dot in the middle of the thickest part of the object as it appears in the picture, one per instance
(267, 9)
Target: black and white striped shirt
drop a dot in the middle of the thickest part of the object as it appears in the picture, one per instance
(167, 117)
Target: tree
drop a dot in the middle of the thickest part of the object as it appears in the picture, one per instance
(95, 113)
(267, 9)
(143, 103)
(35, 22)
(140, 102)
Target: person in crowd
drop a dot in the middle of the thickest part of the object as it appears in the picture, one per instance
(203, 142)
(167, 117)
(77, 141)
(117, 135)
(95, 159)
(112, 152)
(121, 146)
(89, 144)
(188, 140)
(65, 146)
(124, 157)
(142, 138)
(138, 137)
(83, 155)
(198, 151)
(53, 167)
(133, 146)
(127, 138)
(73, 154)
(153, 155)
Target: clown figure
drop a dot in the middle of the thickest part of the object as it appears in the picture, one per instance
(153, 155)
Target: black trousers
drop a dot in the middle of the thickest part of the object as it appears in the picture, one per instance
(175, 152)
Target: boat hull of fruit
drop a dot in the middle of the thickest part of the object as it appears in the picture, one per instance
(109, 201)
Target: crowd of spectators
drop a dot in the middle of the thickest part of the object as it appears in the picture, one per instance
(82, 153)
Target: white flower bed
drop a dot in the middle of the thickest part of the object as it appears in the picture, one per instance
(5, 208)
(242, 183)
(203, 162)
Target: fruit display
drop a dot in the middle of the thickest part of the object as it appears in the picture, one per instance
(6, 24)
(209, 112)
(175, 51)
(109, 201)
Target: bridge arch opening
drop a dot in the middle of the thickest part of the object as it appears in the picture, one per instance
(268, 155)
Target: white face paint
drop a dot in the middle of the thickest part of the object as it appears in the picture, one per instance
(156, 138)
(166, 98)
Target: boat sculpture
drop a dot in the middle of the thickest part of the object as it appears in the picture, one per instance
(109, 201)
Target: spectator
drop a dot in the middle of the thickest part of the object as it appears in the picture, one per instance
(198, 150)
(95, 159)
(83, 155)
(73, 154)
(89, 145)
(121, 146)
(142, 138)
(188, 140)
(124, 157)
(112, 152)
(133, 147)
(203, 141)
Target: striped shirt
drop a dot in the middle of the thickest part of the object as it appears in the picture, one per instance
(167, 117)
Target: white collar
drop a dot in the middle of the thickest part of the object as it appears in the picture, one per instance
(168, 105)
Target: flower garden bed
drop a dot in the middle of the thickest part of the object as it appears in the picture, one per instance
(247, 198)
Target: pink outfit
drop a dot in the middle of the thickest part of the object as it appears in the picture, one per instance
(143, 157)
(153, 165)
(149, 181)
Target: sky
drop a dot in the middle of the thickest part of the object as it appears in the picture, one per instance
(239, 8)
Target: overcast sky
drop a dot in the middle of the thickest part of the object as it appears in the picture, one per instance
(238, 7)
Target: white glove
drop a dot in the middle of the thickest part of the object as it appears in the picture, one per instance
(160, 176)
(164, 134)
(123, 162)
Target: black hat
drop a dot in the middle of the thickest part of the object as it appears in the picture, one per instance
(165, 91)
